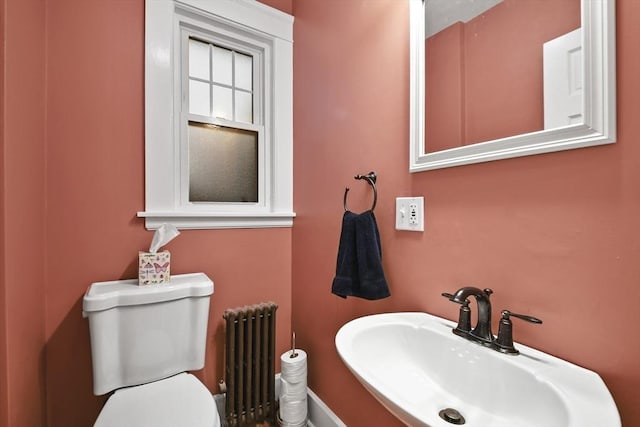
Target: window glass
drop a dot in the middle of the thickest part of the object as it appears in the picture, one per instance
(222, 103)
(243, 71)
(223, 164)
(222, 66)
(199, 102)
(199, 60)
(244, 107)
(220, 82)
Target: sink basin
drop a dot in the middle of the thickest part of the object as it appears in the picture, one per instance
(415, 367)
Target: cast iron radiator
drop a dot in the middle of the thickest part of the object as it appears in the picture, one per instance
(250, 365)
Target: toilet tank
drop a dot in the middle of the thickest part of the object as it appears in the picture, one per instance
(145, 333)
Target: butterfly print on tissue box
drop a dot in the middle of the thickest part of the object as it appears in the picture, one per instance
(153, 268)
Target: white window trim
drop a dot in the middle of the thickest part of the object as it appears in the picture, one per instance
(163, 169)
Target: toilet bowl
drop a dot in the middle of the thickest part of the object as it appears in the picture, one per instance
(180, 400)
(144, 340)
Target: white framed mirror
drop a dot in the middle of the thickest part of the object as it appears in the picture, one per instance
(594, 125)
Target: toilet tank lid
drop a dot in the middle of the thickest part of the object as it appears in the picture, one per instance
(105, 295)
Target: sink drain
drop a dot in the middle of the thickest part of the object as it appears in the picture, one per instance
(452, 416)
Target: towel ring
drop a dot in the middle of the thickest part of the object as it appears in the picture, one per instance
(371, 178)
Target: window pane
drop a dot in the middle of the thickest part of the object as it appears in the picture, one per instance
(223, 164)
(222, 102)
(199, 102)
(222, 68)
(198, 59)
(244, 71)
(244, 107)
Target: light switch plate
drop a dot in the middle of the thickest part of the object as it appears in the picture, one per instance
(410, 213)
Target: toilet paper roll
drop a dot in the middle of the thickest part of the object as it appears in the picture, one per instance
(294, 411)
(287, 399)
(289, 389)
(288, 424)
(285, 424)
(294, 369)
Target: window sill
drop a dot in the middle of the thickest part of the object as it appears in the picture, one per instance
(203, 220)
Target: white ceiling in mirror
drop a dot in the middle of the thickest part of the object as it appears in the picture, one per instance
(442, 13)
(599, 102)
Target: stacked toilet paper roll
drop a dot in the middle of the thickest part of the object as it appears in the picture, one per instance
(293, 388)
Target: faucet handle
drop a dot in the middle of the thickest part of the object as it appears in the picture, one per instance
(530, 319)
(452, 298)
(504, 340)
(464, 317)
(448, 296)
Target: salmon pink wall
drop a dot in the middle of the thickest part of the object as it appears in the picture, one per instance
(554, 235)
(351, 106)
(23, 254)
(4, 404)
(283, 5)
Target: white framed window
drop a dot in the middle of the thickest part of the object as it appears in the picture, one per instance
(218, 114)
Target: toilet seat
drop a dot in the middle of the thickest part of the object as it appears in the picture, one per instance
(181, 400)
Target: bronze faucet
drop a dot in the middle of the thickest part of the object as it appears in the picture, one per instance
(482, 332)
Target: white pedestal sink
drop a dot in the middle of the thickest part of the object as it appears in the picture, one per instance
(415, 366)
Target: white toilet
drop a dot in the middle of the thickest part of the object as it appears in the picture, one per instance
(144, 339)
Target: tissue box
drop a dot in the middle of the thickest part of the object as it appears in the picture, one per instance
(153, 268)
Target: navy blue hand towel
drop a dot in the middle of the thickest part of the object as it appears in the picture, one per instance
(359, 270)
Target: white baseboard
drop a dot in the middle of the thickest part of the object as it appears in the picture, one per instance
(320, 415)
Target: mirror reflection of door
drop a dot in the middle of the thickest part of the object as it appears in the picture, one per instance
(484, 76)
(563, 81)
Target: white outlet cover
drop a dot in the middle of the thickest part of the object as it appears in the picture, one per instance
(410, 213)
